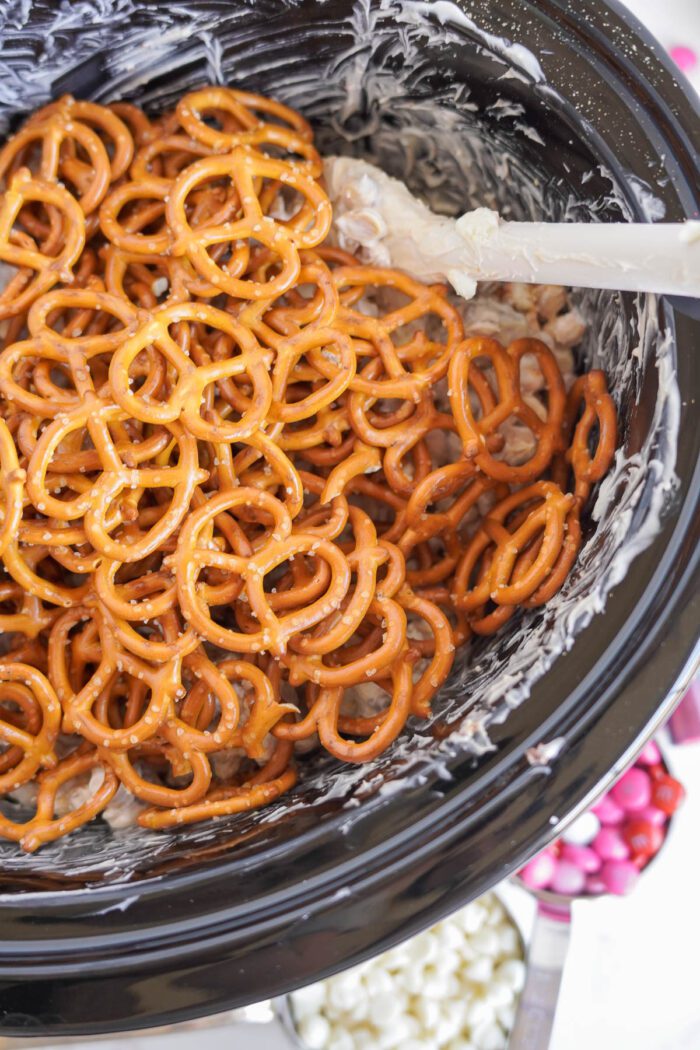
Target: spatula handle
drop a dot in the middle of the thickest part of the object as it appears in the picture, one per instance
(636, 257)
(534, 1020)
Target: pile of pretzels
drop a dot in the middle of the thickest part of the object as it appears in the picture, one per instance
(222, 512)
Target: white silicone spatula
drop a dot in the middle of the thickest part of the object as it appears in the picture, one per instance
(378, 211)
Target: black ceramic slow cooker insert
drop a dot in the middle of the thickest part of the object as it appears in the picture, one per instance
(112, 930)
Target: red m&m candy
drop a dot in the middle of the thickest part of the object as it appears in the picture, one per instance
(667, 794)
(642, 837)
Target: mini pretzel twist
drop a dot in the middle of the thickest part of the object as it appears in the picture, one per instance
(243, 166)
(505, 364)
(38, 270)
(427, 359)
(187, 394)
(289, 132)
(37, 747)
(546, 519)
(275, 632)
(56, 131)
(12, 479)
(95, 504)
(45, 827)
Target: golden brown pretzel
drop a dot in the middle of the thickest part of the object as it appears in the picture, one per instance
(45, 827)
(243, 166)
(37, 748)
(289, 132)
(54, 129)
(38, 270)
(505, 364)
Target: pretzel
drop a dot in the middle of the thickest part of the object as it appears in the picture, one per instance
(52, 130)
(274, 631)
(12, 479)
(135, 119)
(243, 166)
(506, 367)
(71, 114)
(194, 762)
(47, 268)
(324, 717)
(232, 730)
(589, 391)
(97, 500)
(133, 276)
(22, 563)
(222, 802)
(548, 518)
(44, 827)
(187, 394)
(311, 344)
(163, 681)
(37, 748)
(247, 480)
(19, 709)
(293, 134)
(29, 616)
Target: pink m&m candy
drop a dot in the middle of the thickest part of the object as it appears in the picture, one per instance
(538, 873)
(568, 879)
(595, 885)
(650, 756)
(619, 877)
(608, 812)
(633, 790)
(653, 815)
(583, 857)
(684, 57)
(610, 845)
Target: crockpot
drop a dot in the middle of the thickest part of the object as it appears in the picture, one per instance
(544, 109)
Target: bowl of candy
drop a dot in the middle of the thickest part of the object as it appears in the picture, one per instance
(329, 590)
(456, 984)
(606, 848)
(603, 852)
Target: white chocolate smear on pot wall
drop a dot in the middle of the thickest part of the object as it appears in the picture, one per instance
(376, 99)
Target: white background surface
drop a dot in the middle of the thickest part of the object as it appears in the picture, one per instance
(632, 980)
(674, 23)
